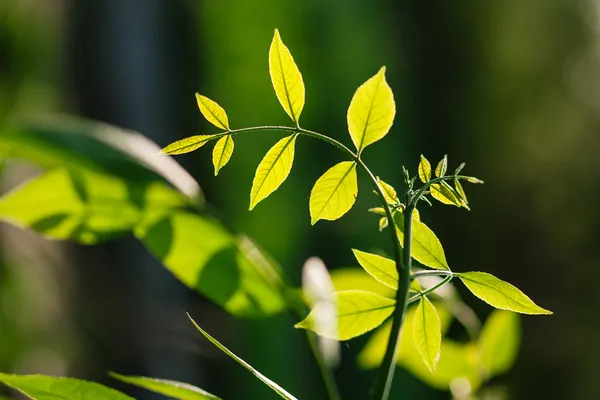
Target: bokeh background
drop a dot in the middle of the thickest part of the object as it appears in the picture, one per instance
(510, 87)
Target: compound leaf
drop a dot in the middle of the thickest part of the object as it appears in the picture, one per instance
(500, 294)
(286, 78)
(334, 192)
(222, 152)
(371, 112)
(273, 169)
(358, 312)
(427, 333)
(173, 389)
(213, 112)
(188, 144)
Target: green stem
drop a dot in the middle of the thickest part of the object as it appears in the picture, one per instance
(417, 296)
(328, 379)
(430, 273)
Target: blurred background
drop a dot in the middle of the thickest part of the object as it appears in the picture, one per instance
(512, 88)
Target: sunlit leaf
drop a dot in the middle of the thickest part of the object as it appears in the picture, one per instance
(424, 170)
(389, 192)
(203, 255)
(444, 195)
(377, 210)
(383, 223)
(427, 333)
(459, 168)
(275, 387)
(358, 312)
(354, 278)
(426, 247)
(222, 152)
(499, 294)
(334, 192)
(188, 144)
(371, 112)
(173, 389)
(442, 166)
(286, 78)
(472, 179)
(213, 112)
(499, 342)
(43, 387)
(381, 268)
(273, 169)
(460, 191)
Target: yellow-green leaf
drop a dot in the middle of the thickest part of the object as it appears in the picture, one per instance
(371, 112)
(334, 192)
(383, 223)
(358, 312)
(416, 214)
(388, 192)
(427, 333)
(500, 294)
(188, 144)
(286, 78)
(273, 169)
(444, 195)
(499, 342)
(424, 170)
(377, 210)
(426, 247)
(354, 278)
(442, 166)
(460, 191)
(173, 389)
(381, 268)
(472, 179)
(222, 152)
(213, 112)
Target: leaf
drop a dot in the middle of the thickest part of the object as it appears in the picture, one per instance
(213, 112)
(230, 271)
(426, 247)
(43, 387)
(377, 210)
(222, 152)
(334, 192)
(388, 192)
(371, 112)
(427, 333)
(86, 207)
(500, 294)
(383, 223)
(499, 343)
(358, 312)
(172, 389)
(444, 195)
(424, 170)
(278, 389)
(472, 179)
(381, 268)
(460, 191)
(442, 166)
(273, 169)
(459, 168)
(286, 78)
(188, 144)
(354, 278)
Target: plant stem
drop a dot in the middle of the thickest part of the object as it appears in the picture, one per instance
(328, 379)
(430, 273)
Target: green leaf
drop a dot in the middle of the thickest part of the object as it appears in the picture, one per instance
(334, 192)
(444, 195)
(500, 294)
(499, 342)
(222, 152)
(427, 333)
(472, 179)
(383, 223)
(371, 112)
(207, 258)
(459, 168)
(388, 192)
(381, 268)
(460, 191)
(86, 207)
(213, 112)
(273, 169)
(377, 210)
(426, 247)
(424, 170)
(358, 312)
(353, 278)
(188, 144)
(42, 387)
(442, 166)
(278, 389)
(286, 78)
(172, 389)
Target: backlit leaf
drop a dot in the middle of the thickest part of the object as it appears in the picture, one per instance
(388, 192)
(426, 247)
(460, 191)
(358, 312)
(499, 294)
(499, 342)
(371, 112)
(354, 278)
(286, 78)
(444, 195)
(213, 112)
(472, 179)
(275, 387)
(222, 152)
(43, 387)
(442, 166)
(172, 389)
(427, 333)
(273, 169)
(381, 268)
(334, 192)
(188, 144)
(383, 223)
(424, 170)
